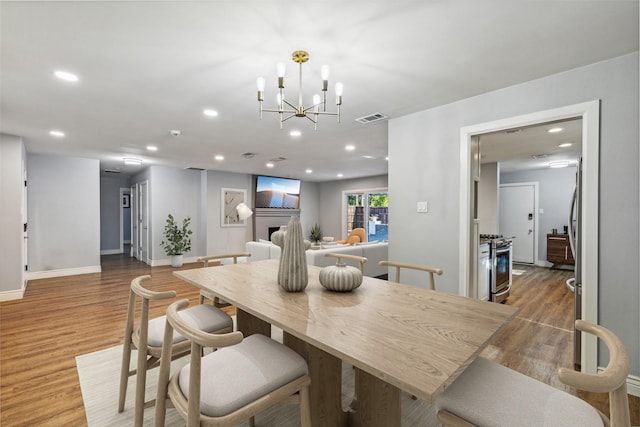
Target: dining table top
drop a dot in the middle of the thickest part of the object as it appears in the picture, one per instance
(416, 339)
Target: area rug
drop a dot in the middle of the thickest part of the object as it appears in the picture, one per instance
(99, 374)
(518, 272)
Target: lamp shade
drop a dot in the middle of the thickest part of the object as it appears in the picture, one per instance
(244, 211)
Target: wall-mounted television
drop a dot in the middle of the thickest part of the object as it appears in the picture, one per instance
(277, 193)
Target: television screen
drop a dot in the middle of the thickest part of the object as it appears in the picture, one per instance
(272, 192)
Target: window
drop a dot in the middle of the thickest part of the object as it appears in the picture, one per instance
(368, 210)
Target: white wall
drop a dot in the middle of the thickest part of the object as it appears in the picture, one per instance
(555, 189)
(12, 158)
(64, 215)
(424, 164)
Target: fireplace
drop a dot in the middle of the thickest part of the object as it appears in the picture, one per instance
(266, 221)
(272, 230)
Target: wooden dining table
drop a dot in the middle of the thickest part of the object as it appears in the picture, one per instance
(396, 336)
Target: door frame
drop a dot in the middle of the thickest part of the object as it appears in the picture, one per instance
(536, 208)
(590, 114)
(123, 191)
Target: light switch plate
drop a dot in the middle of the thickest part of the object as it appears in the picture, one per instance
(423, 207)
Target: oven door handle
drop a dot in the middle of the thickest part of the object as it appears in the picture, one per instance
(503, 249)
(506, 291)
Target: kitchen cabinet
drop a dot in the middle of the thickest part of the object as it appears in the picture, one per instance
(484, 272)
(559, 250)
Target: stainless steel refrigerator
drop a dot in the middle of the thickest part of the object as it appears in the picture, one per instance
(575, 284)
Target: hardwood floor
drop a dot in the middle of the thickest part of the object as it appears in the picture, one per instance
(61, 318)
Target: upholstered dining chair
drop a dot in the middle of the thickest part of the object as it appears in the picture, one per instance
(148, 337)
(487, 393)
(357, 235)
(243, 377)
(399, 265)
(205, 260)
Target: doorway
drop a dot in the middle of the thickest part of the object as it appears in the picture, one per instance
(589, 113)
(368, 209)
(518, 219)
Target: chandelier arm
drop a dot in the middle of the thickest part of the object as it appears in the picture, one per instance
(287, 118)
(289, 104)
(270, 110)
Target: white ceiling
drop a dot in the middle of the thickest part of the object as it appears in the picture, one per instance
(146, 68)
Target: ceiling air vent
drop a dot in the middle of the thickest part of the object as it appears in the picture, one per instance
(248, 155)
(371, 118)
(111, 171)
(190, 168)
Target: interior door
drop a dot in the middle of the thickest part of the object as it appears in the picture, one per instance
(517, 219)
(143, 221)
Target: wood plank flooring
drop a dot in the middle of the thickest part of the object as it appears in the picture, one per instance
(61, 318)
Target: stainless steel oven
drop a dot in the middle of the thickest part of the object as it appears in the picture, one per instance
(501, 261)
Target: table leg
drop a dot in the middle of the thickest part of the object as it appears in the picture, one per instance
(249, 324)
(377, 402)
(326, 383)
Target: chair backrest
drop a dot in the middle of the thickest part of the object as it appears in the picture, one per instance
(399, 265)
(146, 295)
(612, 380)
(209, 258)
(199, 340)
(360, 259)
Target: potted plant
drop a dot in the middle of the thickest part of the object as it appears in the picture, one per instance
(177, 239)
(315, 235)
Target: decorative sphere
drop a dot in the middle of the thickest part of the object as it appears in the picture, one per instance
(340, 277)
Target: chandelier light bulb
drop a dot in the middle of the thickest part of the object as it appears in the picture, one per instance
(280, 68)
(339, 89)
(260, 83)
(316, 101)
(324, 72)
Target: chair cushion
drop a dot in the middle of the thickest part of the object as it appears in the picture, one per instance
(234, 376)
(489, 394)
(202, 316)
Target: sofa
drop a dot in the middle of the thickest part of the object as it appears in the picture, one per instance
(373, 251)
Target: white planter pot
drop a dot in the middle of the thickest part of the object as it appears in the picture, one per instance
(176, 260)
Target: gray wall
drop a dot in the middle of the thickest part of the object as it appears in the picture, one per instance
(110, 211)
(330, 219)
(226, 239)
(12, 157)
(424, 164)
(63, 212)
(555, 189)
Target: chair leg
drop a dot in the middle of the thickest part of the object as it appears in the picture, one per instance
(141, 384)
(124, 373)
(305, 407)
(252, 422)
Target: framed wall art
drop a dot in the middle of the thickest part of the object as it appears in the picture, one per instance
(230, 199)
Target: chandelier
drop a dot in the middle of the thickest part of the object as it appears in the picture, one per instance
(286, 110)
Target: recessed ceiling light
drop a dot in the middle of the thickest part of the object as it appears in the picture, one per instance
(565, 145)
(309, 171)
(210, 113)
(269, 165)
(152, 148)
(555, 130)
(219, 157)
(295, 133)
(57, 133)
(66, 76)
(132, 162)
(387, 158)
(368, 157)
(340, 175)
(350, 147)
(559, 164)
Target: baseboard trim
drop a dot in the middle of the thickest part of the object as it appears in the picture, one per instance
(110, 252)
(11, 295)
(34, 275)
